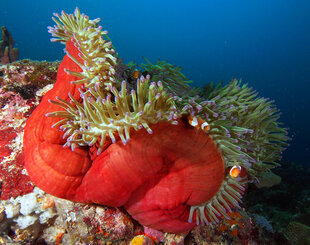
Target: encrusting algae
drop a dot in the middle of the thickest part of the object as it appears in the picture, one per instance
(243, 127)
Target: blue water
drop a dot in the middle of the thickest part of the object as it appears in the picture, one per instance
(266, 43)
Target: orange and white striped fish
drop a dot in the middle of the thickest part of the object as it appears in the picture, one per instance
(135, 74)
(235, 171)
(198, 123)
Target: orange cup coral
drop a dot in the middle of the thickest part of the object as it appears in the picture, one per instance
(165, 157)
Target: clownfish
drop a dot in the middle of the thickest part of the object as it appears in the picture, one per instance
(235, 171)
(135, 74)
(198, 123)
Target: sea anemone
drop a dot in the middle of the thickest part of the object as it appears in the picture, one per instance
(171, 76)
(172, 160)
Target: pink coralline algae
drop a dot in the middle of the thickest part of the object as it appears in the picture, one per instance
(19, 84)
(15, 181)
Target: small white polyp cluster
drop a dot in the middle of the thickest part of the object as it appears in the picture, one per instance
(27, 210)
